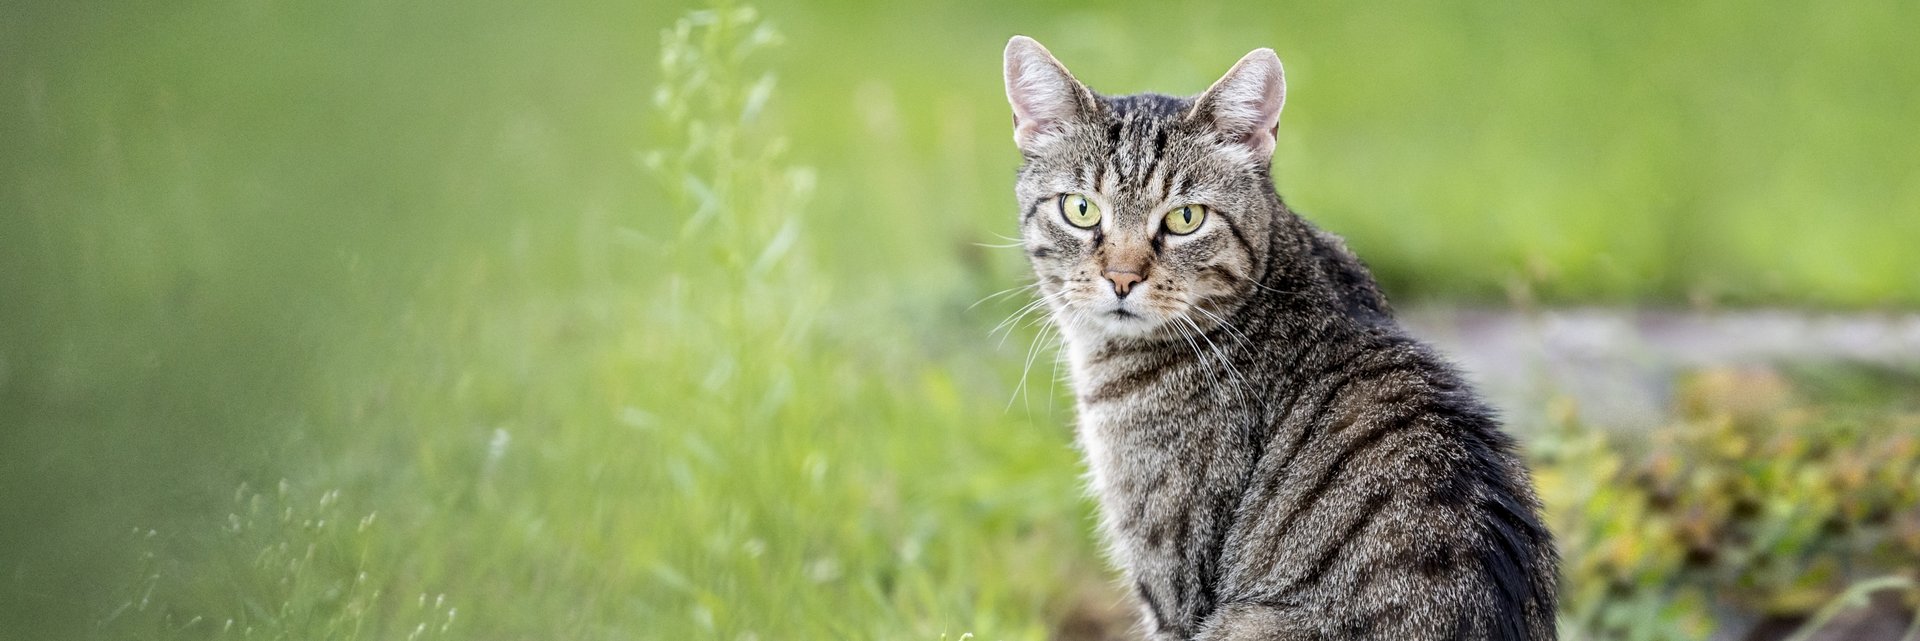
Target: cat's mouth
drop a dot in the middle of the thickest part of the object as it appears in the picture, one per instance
(1122, 310)
(1117, 317)
(1128, 318)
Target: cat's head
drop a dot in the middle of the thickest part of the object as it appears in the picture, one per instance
(1144, 215)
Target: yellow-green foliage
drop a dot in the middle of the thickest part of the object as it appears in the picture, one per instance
(1757, 498)
(286, 565)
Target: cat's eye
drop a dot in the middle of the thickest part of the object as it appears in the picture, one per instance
(1186, 218)
(1079, 211)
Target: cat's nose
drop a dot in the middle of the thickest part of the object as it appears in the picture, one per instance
(1123, 281)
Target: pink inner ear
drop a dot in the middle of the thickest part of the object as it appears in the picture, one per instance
(1035, 104)
(1040, 90)
(1245, 104)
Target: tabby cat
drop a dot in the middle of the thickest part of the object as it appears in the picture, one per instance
(1274, 457)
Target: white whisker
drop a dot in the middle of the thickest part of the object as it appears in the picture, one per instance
(1237, 334)
(1002, 293)
(1201, 358)
(1235, 371)
(1032, 349)
(1013, 319)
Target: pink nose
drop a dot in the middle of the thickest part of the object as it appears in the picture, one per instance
(1123, 281)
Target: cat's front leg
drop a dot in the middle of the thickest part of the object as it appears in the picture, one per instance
(1253, 622)
(1167, 555)
(1160, 615)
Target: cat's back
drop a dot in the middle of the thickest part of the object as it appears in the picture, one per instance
(1385, 486)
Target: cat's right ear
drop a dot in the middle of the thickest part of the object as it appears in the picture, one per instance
(1045, 97)
(1244, 105)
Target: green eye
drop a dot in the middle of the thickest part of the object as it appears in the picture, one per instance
(1186, 218)
(1079, 211)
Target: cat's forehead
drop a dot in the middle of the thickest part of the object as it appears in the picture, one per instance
(1132, 148)
(1145, 107)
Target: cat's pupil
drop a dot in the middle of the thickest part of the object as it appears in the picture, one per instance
(1083, 207)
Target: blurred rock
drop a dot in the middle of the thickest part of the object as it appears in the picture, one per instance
(1619, 366)
(1886, 619)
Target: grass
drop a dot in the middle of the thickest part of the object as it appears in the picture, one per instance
(593, 363)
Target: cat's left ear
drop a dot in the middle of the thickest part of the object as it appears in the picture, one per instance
(1045, 97)
(1244, 105)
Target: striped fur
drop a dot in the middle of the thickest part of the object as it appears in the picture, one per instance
(1273, 456)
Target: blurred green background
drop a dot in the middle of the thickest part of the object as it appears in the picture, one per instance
(594, 319)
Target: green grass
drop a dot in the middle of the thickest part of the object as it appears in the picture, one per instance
(442, 265)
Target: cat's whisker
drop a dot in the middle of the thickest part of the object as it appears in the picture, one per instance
(1237, 334)
(1030, 306)
(1053, 381)
(1003, 293)
(1023, 320)
(1256, 283)
(1032, 350)
(1235, 371)
(1200, 358)
(1074, 317)
(1013, 319)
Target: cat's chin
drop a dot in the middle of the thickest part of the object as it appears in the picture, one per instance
(1118, 322)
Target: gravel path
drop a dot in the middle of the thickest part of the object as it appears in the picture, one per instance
(1618, 365)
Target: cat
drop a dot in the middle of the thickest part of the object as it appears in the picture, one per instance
(1272, 455)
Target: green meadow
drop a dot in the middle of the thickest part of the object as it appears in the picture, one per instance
(618, 320)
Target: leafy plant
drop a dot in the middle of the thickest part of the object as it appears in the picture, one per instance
(1758, 499)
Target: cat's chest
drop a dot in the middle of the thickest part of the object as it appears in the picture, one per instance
(1119, 454)
(1140, 419)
